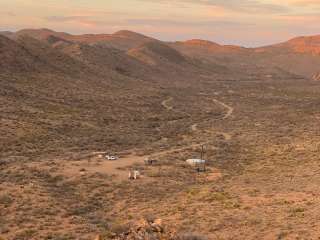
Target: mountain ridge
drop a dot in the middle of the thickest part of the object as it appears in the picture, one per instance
(44, 32)
(301, 51)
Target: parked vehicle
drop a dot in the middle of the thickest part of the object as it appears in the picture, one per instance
(150, 161)
(111, 158)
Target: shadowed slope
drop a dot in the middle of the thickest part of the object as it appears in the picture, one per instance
(154, 53)
(15, 58)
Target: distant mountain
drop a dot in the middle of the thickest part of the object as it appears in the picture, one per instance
(131, 53)
(206, 47)
(126, 40)
(125, 52)
(215, 55)
(123, 40)
(6, 33)
(308, 45)
(300, 55)
(40, 34)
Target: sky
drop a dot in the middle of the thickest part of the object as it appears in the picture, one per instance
(247, 23)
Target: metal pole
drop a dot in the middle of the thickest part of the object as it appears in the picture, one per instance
(202, 155)
(201, 152)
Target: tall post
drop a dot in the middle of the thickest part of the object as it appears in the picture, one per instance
(201, 152)
(202, 155)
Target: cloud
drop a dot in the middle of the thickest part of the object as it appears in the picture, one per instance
(65, 18)
(164, 22)
(83, 20)
(304, 2)
(244, 6)
(8, 14)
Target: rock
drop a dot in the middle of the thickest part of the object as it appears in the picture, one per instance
(146, 229)
(98, 237)
(157, 225)
(158, 221)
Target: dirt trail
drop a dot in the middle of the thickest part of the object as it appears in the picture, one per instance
(194, 127)
(165, 103)
(101, 165)
(229, 108)
(229, 112)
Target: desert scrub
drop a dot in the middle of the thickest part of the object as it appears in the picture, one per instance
(190, 236)
(193, 192)
(218, 197)
(59, 237)
(297, 212)
(222, 198)
(25, 235)
(6, 200)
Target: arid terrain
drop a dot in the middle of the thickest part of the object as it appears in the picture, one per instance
(67, 100)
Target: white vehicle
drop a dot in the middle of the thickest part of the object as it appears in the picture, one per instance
(196, 161)
(111, 158)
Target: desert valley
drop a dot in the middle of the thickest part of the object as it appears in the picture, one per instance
(68, 100)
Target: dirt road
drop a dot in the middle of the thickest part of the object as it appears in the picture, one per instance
(130, 160)
(165, 103)
(229, 108)
(100, 165)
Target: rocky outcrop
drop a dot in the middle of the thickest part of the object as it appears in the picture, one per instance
(145, 229)
(149, 230)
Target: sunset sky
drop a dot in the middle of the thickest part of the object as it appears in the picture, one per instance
(242, 22)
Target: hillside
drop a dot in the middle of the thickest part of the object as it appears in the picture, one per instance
(154, 53)
(206, 47)
(308, 45)
(68, 100)
(68, 91)
(14, 57)
(300, 55)
(103, 58)
(75, 71)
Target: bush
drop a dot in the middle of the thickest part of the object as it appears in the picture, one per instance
(6, 200)
(190, 236)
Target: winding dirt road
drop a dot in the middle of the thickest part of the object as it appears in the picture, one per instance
(229, 108)
(100, 165)
(130, 160)
(194, 127)
(165, 103)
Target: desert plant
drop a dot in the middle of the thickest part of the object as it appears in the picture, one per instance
(190, 236)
